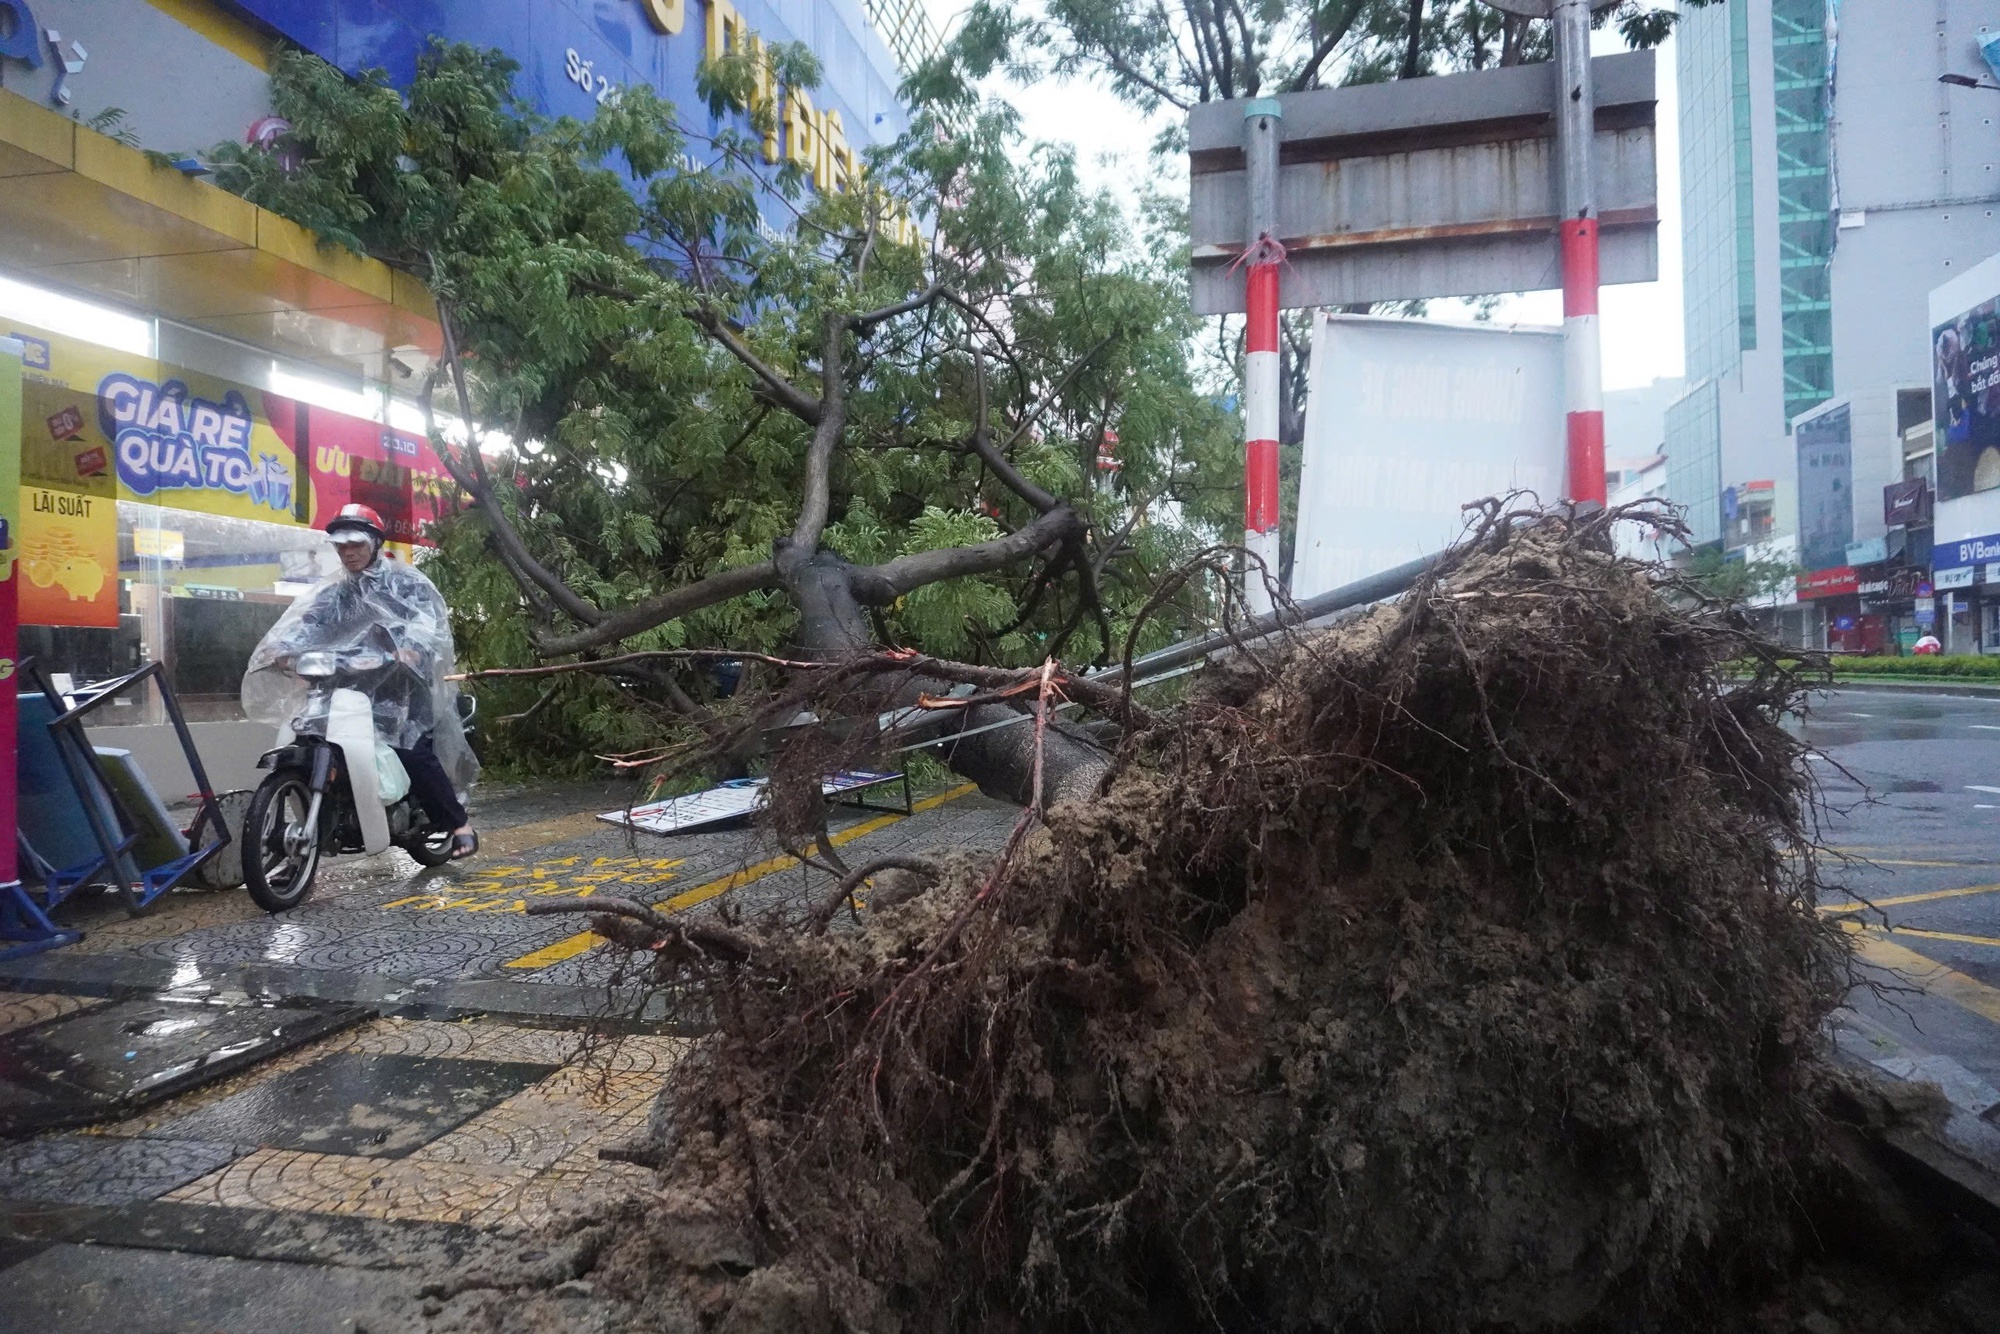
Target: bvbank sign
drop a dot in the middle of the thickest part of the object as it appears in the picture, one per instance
(577, 54)
(1969, 551)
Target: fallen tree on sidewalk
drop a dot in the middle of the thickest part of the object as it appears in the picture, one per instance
(985, 443)
(1455, 968)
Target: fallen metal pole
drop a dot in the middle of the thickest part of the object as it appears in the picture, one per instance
(1357, 594)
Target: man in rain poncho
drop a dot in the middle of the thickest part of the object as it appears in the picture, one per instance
(381, 606)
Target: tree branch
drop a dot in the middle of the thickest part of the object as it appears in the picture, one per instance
(663, 607)
(1308, 75)
(1035, 413)
(783, 392)
(982, 445)
(818, 497)
(822, 914)
(1413, 52)
(865, 324)
(508, 541)
(884, 583)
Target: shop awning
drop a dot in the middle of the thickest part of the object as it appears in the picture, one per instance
(84, 212)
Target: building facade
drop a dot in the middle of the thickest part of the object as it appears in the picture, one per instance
(203, 383)
(1829, 182)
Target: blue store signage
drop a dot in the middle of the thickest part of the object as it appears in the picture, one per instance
(576, 54)
(1972, 551)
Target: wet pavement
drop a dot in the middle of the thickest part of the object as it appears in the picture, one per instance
(1912, 788)
(251, 1121)
(457, 939)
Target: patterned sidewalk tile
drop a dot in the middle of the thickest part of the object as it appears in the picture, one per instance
(93, 1169)
(559, 1193)
(20, 1010)
(175, 915)
(334, 1183)
(519, 1163)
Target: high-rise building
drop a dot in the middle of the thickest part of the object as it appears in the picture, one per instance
(1829, 181)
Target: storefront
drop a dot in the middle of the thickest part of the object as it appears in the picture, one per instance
(1966, 577)
(170, 515)
(1848, 626)
(200, 384)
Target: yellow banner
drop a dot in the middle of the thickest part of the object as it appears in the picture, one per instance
(104, 423)
(69, 558)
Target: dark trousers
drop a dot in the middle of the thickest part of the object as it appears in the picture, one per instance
(430, 786)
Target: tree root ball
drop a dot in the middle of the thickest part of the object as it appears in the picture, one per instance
(1455, 968)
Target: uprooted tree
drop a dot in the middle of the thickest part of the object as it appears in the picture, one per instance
(807, 444)
(1456, 968)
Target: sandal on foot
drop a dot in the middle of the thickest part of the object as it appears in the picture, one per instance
(464, 845)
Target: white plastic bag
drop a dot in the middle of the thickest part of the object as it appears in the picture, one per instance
(392, 779)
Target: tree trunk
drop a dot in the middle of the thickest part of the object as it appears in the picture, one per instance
(833, 623)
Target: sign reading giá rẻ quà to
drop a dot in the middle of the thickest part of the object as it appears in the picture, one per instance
(100, 425)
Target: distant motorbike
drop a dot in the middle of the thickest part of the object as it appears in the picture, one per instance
(325, 794)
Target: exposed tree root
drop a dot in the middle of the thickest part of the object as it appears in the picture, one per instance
(1455, 969)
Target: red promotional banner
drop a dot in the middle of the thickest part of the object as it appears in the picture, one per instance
(355, 461)
(1831, 583)
(10, 587)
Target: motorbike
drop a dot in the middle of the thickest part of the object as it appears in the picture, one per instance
(324, 795)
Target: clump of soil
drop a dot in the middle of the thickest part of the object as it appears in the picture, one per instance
(1454, 968)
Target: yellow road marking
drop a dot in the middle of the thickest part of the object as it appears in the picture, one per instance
(1891, 861)
(1944, 935)
(571, 946)
(1930, 897)
(1927, 973)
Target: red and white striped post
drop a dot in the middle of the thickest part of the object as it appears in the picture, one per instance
(1583, 358)
(1261, 257)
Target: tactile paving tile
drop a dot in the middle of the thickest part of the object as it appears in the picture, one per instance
(97, 1169)
(24, 1010)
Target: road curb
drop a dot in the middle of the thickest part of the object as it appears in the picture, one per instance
(1893, 686)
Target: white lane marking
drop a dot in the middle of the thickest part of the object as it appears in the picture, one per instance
(1983, 727)
(1978, 807)
(1851, 714)
(1976, 787)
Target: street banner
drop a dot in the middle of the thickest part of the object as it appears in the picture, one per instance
(68, 558)
(96, 421)
(355, 461)
(1407, 422)
(10, 638)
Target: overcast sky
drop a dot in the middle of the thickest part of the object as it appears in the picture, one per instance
(1641, 321)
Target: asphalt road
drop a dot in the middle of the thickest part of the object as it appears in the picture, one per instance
(1912, 789)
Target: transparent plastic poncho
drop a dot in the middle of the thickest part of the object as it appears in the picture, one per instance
(385, 632)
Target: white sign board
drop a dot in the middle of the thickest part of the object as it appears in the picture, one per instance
(1408, 421)
(728, 802)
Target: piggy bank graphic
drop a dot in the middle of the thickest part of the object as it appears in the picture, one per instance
(80, 577)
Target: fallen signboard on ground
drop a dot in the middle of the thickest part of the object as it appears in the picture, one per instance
(729, 801)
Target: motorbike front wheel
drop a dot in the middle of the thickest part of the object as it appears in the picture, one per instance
(280, 853)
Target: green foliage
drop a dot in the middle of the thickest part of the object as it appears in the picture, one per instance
(1177, 54)
(1736, 580)
(1963, 666)
(578, 262)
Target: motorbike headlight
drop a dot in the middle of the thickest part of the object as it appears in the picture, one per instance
(317, 664)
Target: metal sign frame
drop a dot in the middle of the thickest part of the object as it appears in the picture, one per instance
(1437, 187)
